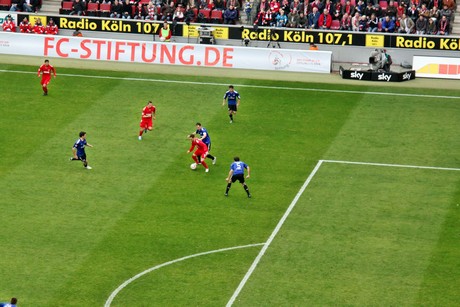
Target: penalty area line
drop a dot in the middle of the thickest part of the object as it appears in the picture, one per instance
(274, 233)
(127, 282)
(394, 165)
(246, 85)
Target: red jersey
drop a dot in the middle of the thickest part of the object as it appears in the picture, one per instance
(9, 26)
(51, 29)
(25, 27)
(39, 29)
(148, 112)
(202, 147)
(46, 70)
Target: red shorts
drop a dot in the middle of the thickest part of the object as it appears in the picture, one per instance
(146, 123)
(45, 79)
(200, 153)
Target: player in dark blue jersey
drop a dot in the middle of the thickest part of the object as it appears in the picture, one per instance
(78, 150)
(237, 173)
(12, 303)
(206, 139)
(233, 101)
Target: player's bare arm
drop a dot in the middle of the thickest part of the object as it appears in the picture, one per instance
(229, 177)
(249, 172)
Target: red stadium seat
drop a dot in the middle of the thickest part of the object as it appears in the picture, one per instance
(5, 5)
(66, 7)
(105, 9)
(216, 16)
(383, 4)
(206, 13)
(335, 24)
(93, 9)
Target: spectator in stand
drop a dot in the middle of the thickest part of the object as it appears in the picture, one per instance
(302, 20)
(219, 5)
(325, 20)
(293, 19)
(369, 9)
(268, 20)
(400, 10)
(388, 25)
(78, 8)
(355, 22)
(51, 28)
(345, 22)
(450, 4)
(275, 7)
(318, 4)
(179, 14)
(360, 7)
(337, 13)
(446, 12)
(38, 27)
(210, 6)
(281, 19)
(431, 28)
(286, 7)
(412, 13)
(231, 15)
(77, 33)
(27, 6)
(313, 18)
(165, 32)
(236, 4)
(140, 12)
(261, 6)
(8, 24)
(424, 11)
(406, 25)
(25, 26)
(420, 25)
(372, 23)
(443, 27)
(122, 9)
(167, 11)
(17, 5)
(362, 27)
(434, 13)
(116, 10)
(391, 10)
(151, 12)
(295, 5)
(189, 15)
(348, 8)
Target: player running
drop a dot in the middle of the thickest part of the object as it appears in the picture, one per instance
(233, 101)
(148, 115)
(45, 71)
(200, 154)
(78, 150)
(203, 132)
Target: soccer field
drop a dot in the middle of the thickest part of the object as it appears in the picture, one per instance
(355, 193)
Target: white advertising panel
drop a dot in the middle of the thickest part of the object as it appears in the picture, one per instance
(165, 53)
(437, 67)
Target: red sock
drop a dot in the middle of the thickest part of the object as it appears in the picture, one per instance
(195, 159)
(204, 164)
(45, 89)
(140, 132)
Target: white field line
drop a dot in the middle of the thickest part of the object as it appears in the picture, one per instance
(274, 233)
(246, 85)
(127, 282)
(296, 198)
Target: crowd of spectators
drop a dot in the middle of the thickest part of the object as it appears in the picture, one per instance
(406, 16)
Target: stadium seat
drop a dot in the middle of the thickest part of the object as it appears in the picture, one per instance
(216, 16)
(335, 24)
(93, 9)
(105, 9)
(353, 2)
(66, 8)
(383, 4)
(206, 14)
(5, 5)
(144, 2)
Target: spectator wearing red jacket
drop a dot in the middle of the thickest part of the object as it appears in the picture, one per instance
(9, 25)
(325, 20)
(25, 26)
(38, 27)
(51, 28)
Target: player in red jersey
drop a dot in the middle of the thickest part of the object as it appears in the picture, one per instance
(148, 115)
(46, 70)
(200, 154)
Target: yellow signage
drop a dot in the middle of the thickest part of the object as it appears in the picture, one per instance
(220, 33)
(373, 40)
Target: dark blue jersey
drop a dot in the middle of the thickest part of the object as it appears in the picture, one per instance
(232, 97)
(80, 146)
(238, 167)
(201, 132)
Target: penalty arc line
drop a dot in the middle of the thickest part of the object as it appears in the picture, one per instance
(272, 236)
(127, 282)
(246, 85)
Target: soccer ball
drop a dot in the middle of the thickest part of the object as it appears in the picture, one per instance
(193, 166)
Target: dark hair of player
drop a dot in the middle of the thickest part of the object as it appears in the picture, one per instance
(230, 86)
(236, 159)
(198, 124)
(82, 133)
(191, 135)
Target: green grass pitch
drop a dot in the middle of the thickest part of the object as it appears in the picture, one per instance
(358, 235)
